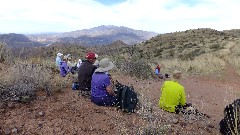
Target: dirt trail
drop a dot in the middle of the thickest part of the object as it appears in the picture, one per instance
(212, 95)
(66, 113)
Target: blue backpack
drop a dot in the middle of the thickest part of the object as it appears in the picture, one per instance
(75, 86)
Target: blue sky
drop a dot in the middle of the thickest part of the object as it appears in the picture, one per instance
(38, 16)
(110, 2)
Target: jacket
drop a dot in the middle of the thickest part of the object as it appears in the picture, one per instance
(173, 94)
(85, 73)
(63, 68)
(58, 60)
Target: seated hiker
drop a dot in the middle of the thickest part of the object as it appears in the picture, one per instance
(64, 69)
(58, 60)
(75, 68)
(79, 63)
(85, 73)
(173, 96)
(102, 92)
(70, 64)
(159, 74)
(157, 70)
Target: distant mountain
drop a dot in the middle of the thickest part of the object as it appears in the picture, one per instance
(100, 35)
(17, 40)
(107, 30)
(128, 38)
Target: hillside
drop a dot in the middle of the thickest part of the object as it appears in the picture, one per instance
(50, 52)
(234, 32)
(100, 35)
(195, 52)
(17, 40)
(186, 44)
(109, 50)
(35, 99)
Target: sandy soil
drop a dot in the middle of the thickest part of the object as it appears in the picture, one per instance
(66, 113)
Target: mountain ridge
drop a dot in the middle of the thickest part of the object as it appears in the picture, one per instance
(101, 33)
(17, 40)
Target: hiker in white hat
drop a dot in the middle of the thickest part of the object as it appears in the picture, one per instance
(102, 93)
(58, 60)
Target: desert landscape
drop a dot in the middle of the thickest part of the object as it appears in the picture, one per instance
(36, 100)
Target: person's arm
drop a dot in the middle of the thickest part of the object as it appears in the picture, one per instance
(109, 87)
(183, 98)
(110, 90)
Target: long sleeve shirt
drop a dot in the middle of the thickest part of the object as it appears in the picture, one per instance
(173, 94)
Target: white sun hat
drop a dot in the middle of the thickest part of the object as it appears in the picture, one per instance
(104, 65)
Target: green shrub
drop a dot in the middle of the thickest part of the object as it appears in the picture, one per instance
(134, 67)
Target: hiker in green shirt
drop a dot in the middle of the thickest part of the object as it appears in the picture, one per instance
(173, 94)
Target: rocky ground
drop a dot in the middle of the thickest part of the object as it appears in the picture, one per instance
(66, 113)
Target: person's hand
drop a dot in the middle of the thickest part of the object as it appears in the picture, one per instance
(114, 94)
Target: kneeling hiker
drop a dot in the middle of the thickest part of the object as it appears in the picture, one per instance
(102, 93)
(173, 94)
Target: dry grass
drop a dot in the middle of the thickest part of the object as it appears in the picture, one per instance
(235, 61)
(202, 65)
(5, 54)
(234, 56)
(21, 80)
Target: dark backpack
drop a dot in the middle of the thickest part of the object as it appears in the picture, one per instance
(127, 98)
(230, 124)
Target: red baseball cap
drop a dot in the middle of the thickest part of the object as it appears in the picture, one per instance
(90, 55)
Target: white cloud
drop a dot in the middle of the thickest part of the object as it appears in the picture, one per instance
(161, 16)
